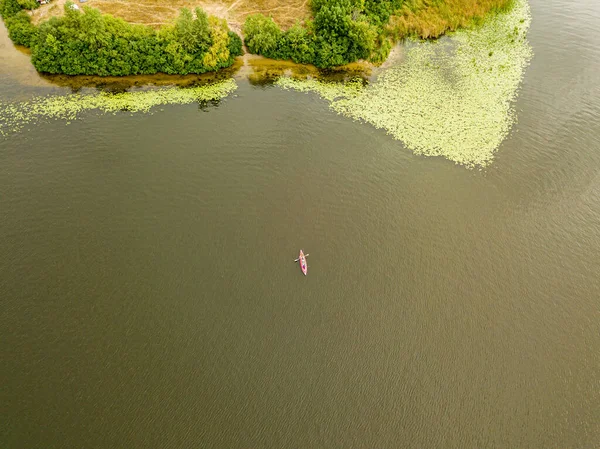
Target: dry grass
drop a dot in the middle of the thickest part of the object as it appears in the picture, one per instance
(432, 18)
(158, 12)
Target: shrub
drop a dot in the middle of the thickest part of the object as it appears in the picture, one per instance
(91, 43)
(340, 33)
(235, 45)
(344, 34)
(261, 35)
(20, 29)
(9, 8)
(379, 11)
(298, 45)
(28, 4)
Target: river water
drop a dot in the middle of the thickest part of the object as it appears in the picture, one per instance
(149, 296)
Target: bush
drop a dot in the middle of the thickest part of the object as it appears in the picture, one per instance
(20, 29)
(382, 50)
(90, 43)
(343, 31)
(261, 35)
(18, 23)
(193, 34)
(9, 8)
(344, 34)
(298, 45)
(235, 45)
(29, 4)
(379, 11)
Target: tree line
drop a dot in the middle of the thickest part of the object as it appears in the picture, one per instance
(91, 43)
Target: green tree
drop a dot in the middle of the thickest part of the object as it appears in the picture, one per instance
(192, 34)
(298, 45)
(9, 8)
(342, 31)
(235, 45)
(261, 35)
(344, 34)
(20, 29)
(217, 55)
(29, 4)
(90, 43)
(379, 11)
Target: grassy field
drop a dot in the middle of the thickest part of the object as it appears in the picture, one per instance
(432, 18)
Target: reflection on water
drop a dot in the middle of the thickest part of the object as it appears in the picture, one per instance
(117, 84)
(258, 70)
(262, 72)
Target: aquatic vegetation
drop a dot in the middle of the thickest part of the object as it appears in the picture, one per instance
(451, 98)
(13, 116)
(328, 90)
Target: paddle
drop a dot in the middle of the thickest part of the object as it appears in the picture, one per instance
(306, 255)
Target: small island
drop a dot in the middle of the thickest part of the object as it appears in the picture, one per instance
(112, 38)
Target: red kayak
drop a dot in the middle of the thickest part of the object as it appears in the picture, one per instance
(302, 260)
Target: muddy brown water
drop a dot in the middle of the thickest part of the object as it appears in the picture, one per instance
(149, 296)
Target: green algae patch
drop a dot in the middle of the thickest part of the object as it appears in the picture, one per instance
(331, 91)
(14, 116)
(453, 97)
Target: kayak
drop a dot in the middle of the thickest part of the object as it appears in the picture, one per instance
(302, 261)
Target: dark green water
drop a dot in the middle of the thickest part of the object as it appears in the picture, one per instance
(149, 297)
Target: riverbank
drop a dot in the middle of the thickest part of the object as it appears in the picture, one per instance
(15, 64)
(326, 33)
(451, 98)
(345, 31)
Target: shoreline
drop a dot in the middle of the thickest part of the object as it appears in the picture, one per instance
(410, 99)
(257, 69)
(271, 64)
